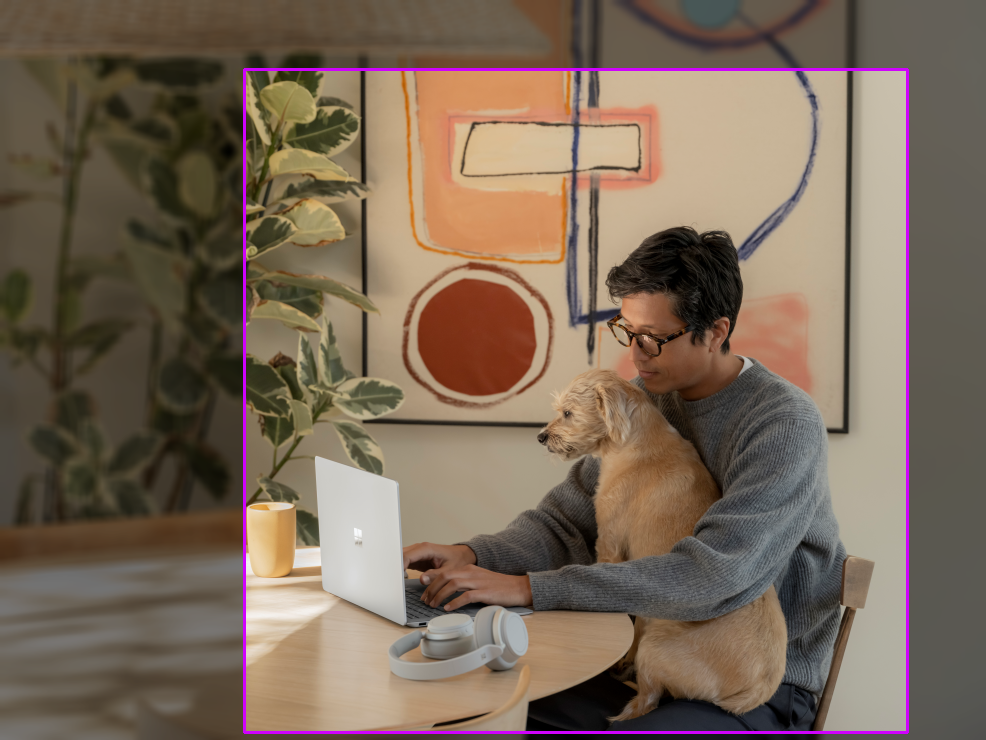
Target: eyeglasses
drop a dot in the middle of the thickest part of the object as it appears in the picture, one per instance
(650, 345)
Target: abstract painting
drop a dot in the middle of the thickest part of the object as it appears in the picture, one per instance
(502, 198)
(726, 33)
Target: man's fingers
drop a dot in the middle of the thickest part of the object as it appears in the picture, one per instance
(444, 592)
(469, 597)
(434, 579)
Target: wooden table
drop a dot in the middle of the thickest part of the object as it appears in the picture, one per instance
(316, 662)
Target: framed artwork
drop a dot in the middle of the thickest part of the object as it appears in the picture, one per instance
(726, 33)
(501, 199)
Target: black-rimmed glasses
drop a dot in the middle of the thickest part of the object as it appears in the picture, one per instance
(649, 344)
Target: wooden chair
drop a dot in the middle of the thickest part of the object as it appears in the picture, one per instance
(856, 574)
(512, 716)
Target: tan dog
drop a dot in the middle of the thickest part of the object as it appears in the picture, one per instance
(653, 488)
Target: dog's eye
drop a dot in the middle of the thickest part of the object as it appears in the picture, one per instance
(566, 414)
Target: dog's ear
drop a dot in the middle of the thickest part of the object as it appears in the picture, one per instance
(613, 407)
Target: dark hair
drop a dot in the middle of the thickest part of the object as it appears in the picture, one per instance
(699, 273)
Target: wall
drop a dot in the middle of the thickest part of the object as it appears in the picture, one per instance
(459, 481)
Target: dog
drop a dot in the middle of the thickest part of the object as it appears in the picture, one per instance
(653, 488)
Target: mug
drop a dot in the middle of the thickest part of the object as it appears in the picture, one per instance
(271, 537)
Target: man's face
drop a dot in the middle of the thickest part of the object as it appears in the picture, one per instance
(681, 365)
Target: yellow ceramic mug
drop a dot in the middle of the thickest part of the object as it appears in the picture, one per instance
(271, 537)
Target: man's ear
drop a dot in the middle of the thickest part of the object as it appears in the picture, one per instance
(720, 333)
(612, 403)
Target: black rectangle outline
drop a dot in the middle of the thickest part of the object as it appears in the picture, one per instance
(640, 154)
(844, 429)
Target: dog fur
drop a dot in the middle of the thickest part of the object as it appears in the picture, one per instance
(653, 488)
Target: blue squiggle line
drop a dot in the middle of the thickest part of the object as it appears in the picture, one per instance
(576, 44)
(711, 44)
(775, 219)
(572, 259)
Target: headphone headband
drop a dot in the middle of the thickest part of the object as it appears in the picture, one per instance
(439, 669)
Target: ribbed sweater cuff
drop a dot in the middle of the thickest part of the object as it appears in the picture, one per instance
(485, 549)
(551, 592)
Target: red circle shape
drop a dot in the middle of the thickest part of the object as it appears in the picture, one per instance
(477, 337)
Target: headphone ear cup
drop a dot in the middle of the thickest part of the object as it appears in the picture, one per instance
(500, 630)
(483, 626)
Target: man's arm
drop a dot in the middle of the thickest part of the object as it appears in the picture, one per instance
(560, 531)
(738, 548)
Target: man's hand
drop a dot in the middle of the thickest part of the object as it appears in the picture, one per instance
(427, 555)
(478, 584)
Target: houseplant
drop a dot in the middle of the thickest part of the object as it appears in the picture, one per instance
(291, 184)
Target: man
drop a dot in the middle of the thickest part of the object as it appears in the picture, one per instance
(765, 443)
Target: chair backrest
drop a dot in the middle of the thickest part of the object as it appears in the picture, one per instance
(856, 575)
(510, 716)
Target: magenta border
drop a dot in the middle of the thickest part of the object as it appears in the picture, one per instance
(907, 387)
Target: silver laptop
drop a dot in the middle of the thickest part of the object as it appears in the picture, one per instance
(359, 528)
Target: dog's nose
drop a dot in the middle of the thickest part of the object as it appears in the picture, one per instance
(543, 437)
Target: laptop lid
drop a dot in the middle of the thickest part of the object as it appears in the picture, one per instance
(359, 528)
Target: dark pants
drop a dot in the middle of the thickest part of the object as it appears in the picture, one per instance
(586, 706)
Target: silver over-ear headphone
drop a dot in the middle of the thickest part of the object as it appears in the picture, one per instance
(497, 639)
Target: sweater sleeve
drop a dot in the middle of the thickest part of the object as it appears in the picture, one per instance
(738, 548)
(560, 531)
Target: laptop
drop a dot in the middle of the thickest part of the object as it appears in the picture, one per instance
(359, 528)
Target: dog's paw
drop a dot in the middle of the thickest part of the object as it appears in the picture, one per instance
(638, 706)
(623, 671)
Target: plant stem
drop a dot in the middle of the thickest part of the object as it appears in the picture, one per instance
(60, 365)
(274, 470)
(323, 407)
(153, 366)
(205, 420)
(266, 168)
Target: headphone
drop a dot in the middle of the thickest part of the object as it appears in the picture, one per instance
(497, 639)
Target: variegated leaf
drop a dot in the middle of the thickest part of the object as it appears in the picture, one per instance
(197, 182)
(277, 429)
(290, 316)
(134, 454)
(288, 102)
(332, 131)
(267, 233)
(280, 492)
(360, 447)
(131, 497)
(324, 191)
(306, 525)
(181, 387)
(306, 300)
(266, 391)
(307, 367)
(369, 398)
(304, 162)
(329, 359)
(309, 79)
(161, 274)
(302, 417)
(209, 469)
(257, 113)
(53, 443)
(325, 285)
(317, 224)
(220, 298)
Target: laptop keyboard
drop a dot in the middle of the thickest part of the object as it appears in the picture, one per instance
(418, 610)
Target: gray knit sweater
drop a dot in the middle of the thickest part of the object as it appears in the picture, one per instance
(765, 443)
